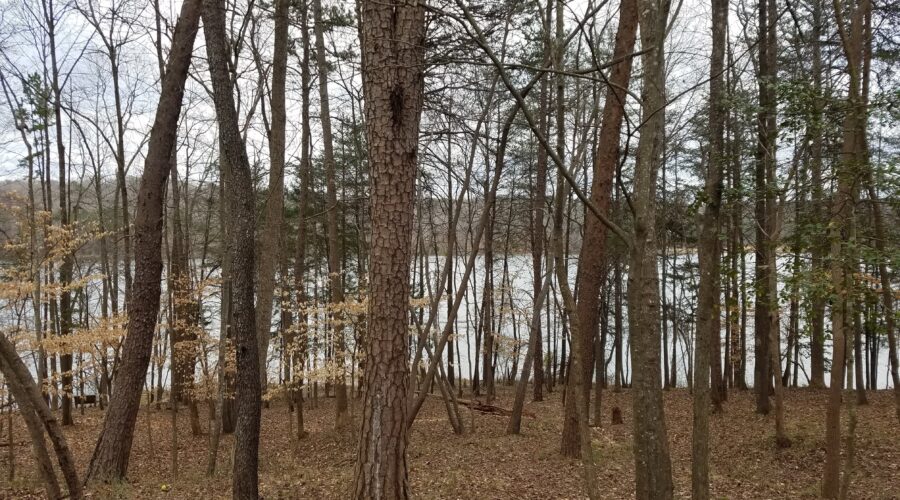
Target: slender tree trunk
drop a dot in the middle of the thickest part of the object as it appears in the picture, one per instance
(487, 302)
(819, 244)
(515, 420)
(28, 393)
(270, 237)
(66, 266)
(887, 295)
(859, 369)
(653, 466)
(539, 205)
(183, 310)
(578, 390)
(302, 336)
(241, 200)
(121, 180)
(708, 314)
(764, 164)
(335, 277)
(619, 326)
(110, 458)
(33, 424)
(840, 237)
(590, 272)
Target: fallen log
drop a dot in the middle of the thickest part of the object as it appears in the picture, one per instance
(477, 405)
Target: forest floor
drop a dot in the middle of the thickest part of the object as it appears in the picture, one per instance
(485, 463)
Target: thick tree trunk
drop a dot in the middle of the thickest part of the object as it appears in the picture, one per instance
(110, 458)
(392, 36)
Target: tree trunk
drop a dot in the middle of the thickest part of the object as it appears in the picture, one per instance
(819, 245)
(843, 266)
(515, 420)
(241, 199)
(887, 295)
(185, 312)
(270, 236)
(110, 458)
(539, 202)
(653, 466)
(68, 259)
(335, 276)
(765, 298)
(590, 272)
(392, 37)
(302, 334)
(708, 314)
(29, 396)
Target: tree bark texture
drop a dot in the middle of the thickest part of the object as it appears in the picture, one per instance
(242, 220)
(392, 36)
(653, 466)
(590, 272)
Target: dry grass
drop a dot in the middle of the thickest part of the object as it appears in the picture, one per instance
(487, 464)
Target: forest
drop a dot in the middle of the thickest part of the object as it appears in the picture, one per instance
(392, 249)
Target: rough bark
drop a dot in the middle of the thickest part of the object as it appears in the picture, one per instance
(590, 263)
(653, 466)
(110, 458)
(392, 36)
(242, 214)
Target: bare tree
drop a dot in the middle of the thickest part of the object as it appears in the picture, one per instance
(708, 313)
(270, 237)
(591, 270)
(241, 200)
(110, 458)
(335, 275)
(653, 466)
